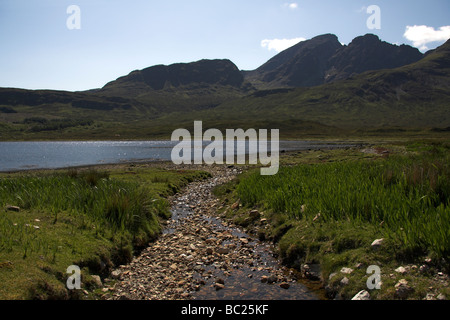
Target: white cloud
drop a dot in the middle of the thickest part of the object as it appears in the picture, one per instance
(280, 44)
(291, 6)
(420, 36)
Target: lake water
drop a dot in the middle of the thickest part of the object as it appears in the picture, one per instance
(16, 156)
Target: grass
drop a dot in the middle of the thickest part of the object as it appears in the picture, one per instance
(91, 218)
(328, 207)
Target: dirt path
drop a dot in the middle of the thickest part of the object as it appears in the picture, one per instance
(200, 256)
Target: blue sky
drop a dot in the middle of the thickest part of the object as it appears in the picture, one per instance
(39, 51)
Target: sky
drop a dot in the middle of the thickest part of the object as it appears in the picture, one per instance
(83, 44)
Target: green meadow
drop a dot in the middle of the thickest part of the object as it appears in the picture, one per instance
(95, 219)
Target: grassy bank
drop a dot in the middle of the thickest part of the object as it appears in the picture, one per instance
(94, 219)
(326, 208)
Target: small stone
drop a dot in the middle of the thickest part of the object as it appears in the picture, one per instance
(272, 279)
(430, 296)
(401, 270)
(264, 279)
(97, 280)
(209, 251)
(244, 240)
(116, 274)
(220, 281)
(441, 297)
(344, 281)
(222, 250)
(377, 243)
(173, 266)
(362, 295)
(359, 265)
(402, 289)
(219, 286)
(346, 270)
(284, 285)
(13, 208)
(332, 275)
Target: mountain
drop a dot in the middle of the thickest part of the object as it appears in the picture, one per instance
(303, 65)
(316, 86)
(416, 95)
(161, 77)
(182, 86)
(369, 53)
(324, 59)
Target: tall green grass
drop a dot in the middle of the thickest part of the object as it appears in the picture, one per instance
(111, 204)
(408, 196)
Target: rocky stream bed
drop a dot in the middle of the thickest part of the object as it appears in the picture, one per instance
(200, 256)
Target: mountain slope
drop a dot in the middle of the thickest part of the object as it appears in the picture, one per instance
(182, 86)
(415, 95)
(302, 65)
(324, 59)
(369, 53)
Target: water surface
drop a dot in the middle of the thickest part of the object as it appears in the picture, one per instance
(15, 156)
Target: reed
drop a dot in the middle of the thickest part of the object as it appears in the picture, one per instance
(409, 196)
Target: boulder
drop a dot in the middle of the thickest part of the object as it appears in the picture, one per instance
(362, 295)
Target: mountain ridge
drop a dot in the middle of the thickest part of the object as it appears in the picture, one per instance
(154, 100)
(324, 59)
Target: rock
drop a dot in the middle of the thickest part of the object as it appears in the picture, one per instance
(284, 285)
(311, 271)
(13, 208)
(344, 281)
(430, 296)
(173, 266)
(218, 286)
(235, 205)
(402, 289)
(244, 240)
(97, 280)
(222, 250)
(264, 279)
(220, 281)
(209, 251)
(441, 297)
(424, 268)
(272, 279)
(362, 295)
(401, 270)
(376, 244)
(116, 274)
(346, 270)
